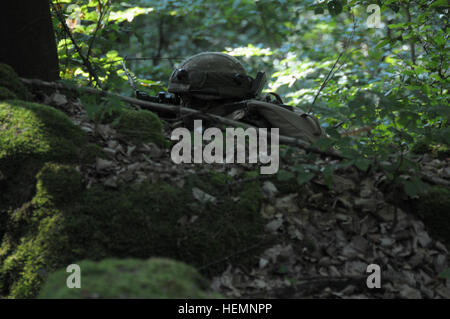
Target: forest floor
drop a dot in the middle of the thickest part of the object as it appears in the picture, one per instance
(325, 238)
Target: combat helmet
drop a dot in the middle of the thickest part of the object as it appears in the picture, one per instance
(212, 76)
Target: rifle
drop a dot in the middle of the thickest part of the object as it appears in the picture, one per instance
(162, 97)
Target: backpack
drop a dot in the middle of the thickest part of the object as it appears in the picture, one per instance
(294, 123)
(291, 121)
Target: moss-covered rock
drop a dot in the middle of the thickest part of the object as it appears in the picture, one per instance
(130, 278)
(141, 126)
(32, 134)
(434, 208)
(6, 94)
(56, 184)
(65, 224)
(10, 80)
(30, 129)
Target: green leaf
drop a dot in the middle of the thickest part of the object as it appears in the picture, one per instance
(90, 104)
(305, 177)
(362, 163)
(382, 43)
(396, 25)
(284, 176)
(414, 186)
(440, 3)
(327, 174)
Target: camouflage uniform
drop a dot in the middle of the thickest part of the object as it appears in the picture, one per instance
(218, 84)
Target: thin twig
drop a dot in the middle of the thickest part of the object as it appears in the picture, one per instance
(103, 12)
(325, 81)
(86, 61)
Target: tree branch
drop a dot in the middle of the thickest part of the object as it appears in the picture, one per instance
(103, 12)
(86, 61)
(335, 63)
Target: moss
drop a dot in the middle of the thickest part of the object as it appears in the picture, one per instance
(10, 80)
(52, 221)
(30, 129)
(66, 224)
(141, 127)
(56, 183)
(32, 134)
(38, 252)
(130, 278)
(250, 197)
(434, 208)
(219, 179)
(34, 231)
(6, 94)
(91, 151)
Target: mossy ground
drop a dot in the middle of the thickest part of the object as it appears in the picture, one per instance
(9, 80)
(130, 278)
(65, 223)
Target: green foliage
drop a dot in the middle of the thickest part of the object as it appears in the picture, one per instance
(379, 81)
(102, 109)
(130, 278)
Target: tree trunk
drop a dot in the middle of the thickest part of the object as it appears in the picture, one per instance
(27, 41)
